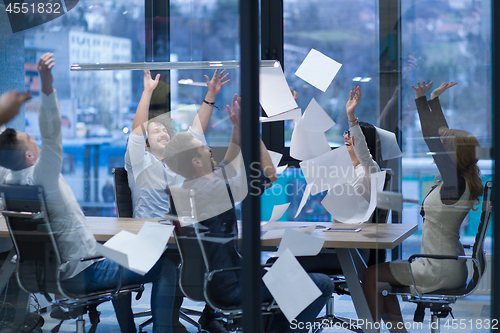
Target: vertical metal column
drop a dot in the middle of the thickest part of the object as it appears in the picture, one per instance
(495, 294)
(250, 132)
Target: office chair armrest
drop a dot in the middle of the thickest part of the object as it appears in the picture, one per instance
(32, 215)
(91, 258)
(434, 256)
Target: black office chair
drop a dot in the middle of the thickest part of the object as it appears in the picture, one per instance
(196, 275)
(376, 256)
(123, 195)
(439, 301)
(38, 264)
(123, 199)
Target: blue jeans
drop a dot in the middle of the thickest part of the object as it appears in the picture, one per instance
(308, 315)
(105, 274)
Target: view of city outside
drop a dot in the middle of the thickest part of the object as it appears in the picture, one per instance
(98, 107)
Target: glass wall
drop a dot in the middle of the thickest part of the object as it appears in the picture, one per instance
(98, 107)
(385, 47)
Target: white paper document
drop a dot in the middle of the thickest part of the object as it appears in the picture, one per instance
(289, 115)
(290, 285)
(315, 119)
(318, 70)
(305, 197)
(328, 170)
(278, 212)
(388, 144)
(306, 145)
(274, 234)
(300, 243)
(275, 157)
(140, 252)
(275, 95)
(347, 206)
(280, 169)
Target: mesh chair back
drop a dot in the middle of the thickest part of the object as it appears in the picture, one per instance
(27, 219)
(123, 195)
(193, 270)
(478, 248)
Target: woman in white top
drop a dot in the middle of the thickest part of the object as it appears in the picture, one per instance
(360, 140)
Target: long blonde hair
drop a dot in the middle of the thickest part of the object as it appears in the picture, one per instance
(461, 146)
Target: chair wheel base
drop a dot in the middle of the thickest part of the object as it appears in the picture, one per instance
(337, 322)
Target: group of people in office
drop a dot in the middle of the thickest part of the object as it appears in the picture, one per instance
(157, 157)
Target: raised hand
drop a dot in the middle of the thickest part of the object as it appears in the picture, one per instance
(421, 90)
(442, 88)
(45, 65)
(10, 103)
(234, 112)
(294, 94)
(217, 82)
(352, 103)
(149, 83)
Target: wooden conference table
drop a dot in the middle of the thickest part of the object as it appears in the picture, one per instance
(371, 236)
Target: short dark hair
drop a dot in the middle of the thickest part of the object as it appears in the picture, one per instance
(179, 153)
(12, 151)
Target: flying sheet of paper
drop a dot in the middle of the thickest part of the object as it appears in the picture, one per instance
(307, 145)
(300, 243)
(388, 144)
(280, 169)
(290, 285)
(274, 234)
(275, 157)
(278, 211)
(140, 252)
(315, 119)
(328, 170)
(305, 196)
(318, 70)
(347, 206)
(275, 95)
(278, 233)
(289, 115)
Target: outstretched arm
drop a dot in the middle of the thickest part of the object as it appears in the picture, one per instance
(214, 85)
(441, 89)
(431, 122)
(49, 164)
(352, 103)
(234, 149)
(10, 103)
(421, 90)
(141, 114)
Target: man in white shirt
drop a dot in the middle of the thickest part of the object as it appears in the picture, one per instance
(148, 175)
(29, 165)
